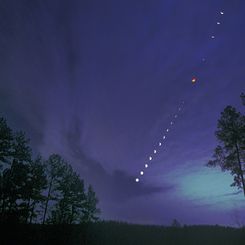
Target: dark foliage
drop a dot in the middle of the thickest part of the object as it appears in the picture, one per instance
(230, 153)
(39, 191)
(112, 233)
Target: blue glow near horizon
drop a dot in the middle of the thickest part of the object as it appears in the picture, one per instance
(211, 188)
(204, 186)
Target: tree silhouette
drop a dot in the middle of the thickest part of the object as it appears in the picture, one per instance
(36, 184)
(14, 177)
(230, 155)
(37, 189)
(6, 141)
(77, 199)
(54, 171)
(70, 206)
(176, 223)
(90, 208)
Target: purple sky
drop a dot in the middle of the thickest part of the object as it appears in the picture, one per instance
(99, 81)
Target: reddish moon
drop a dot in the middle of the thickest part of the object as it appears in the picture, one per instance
(193, 80)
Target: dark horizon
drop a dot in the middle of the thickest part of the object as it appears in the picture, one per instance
(99, 83)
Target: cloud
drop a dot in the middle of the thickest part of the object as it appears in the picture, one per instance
(232, 193)
(116, 186)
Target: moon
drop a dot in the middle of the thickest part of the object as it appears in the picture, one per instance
(193, 80)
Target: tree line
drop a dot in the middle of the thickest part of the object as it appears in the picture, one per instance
(38, 190)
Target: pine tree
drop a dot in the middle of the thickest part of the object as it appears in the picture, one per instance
(69, 207)
(54, 171)
(35, 185)
(14, 179)
(176, 224)
(90, 207)
(78, 199)
(60, 213)
(6, 141)
(230, 155)
(29, 187)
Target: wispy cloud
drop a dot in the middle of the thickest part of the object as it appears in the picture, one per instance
(116, 186)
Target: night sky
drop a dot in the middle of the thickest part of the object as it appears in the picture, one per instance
(99, 83)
